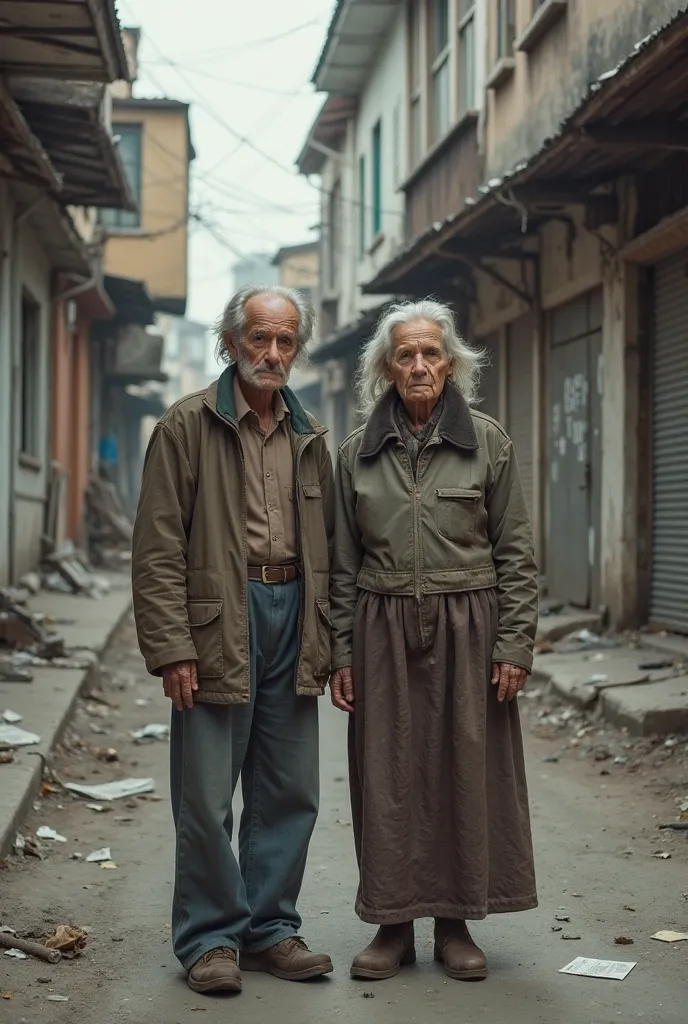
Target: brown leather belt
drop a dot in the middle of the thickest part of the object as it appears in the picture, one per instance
(273, 573)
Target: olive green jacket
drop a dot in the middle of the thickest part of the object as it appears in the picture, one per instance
(189, 550)
(462, 524)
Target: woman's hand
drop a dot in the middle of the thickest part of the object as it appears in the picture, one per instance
(342, 689)
(510, 678)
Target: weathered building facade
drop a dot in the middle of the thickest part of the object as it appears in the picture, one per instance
(563, 249)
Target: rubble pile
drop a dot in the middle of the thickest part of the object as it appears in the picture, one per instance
(110, 528)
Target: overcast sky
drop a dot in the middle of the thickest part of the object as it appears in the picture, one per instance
(245, 67)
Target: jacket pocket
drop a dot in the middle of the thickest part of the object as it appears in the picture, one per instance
(457, 510)
(324, 627)
(205, 622)
(312, 491)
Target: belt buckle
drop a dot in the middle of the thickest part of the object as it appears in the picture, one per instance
(264, 569)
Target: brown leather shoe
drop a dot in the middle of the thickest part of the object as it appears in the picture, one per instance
(456, 950)
(392, 948)
(290, 960)
(216, 971)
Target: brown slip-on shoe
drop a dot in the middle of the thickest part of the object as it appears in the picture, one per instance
(290, 960)
(392, 948)
(216, 971)
(462, 959)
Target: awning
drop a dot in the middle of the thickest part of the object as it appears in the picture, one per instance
(348, 339)
(63, 245)
(131, 299)
(631, 114)
(22, 157)
(136, 356)
(326, 132)
(75, 40)
(357, 29)
(67, 117)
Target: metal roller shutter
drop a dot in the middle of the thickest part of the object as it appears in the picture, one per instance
(669, 591)
(520, 400)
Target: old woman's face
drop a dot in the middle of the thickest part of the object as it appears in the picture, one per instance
(419, 366)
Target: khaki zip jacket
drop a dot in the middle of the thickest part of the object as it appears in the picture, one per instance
(460, 524)
(190, 553)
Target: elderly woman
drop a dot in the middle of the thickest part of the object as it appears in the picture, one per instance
(434, 609)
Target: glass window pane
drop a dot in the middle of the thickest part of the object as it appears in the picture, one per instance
(441, 101)
(440, 18)
(416, 132)
(377, 178)
(465, 7)
(467, 67)
(414, 48)
(361, 207)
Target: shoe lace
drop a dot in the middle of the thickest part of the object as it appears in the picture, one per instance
(293, 943)
(221, 953)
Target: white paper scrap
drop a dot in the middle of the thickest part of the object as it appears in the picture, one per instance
(586, 967)
(45, 832)
(113, 790)
(669, 936)
(11, 716)
(152, 732)
(17, 954)
(12, 736)
(98, 856)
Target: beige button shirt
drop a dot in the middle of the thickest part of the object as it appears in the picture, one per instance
(269, 459)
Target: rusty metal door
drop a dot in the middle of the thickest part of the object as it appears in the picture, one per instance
(575, 450)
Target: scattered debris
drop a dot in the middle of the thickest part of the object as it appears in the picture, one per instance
(632, 909)
(12, 672)
(98, 856)
(107, 754)
(21, 949)
(142, 702)
(151, 732)
(677, 826)
(655, 666)
(45, 832)
(668, 936)
(72, 575)
(57, 999)
(585, 967)
(98, 808)
(13, 736)
(368, 995)
(571, 938)
(11, 717)
(6, 756)
(343, 821)
(662, 855)
(623, 940)
(108, 791)
(550, 759)
(557, 928)
(69, 941)
(109, 865)
(563, 918)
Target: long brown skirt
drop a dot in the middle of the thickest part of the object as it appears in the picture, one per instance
(438, 787)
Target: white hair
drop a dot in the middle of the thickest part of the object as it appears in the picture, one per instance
(233, 319)
(372, 382)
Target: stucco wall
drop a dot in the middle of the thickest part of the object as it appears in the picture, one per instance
(160, 261)
(550, 81)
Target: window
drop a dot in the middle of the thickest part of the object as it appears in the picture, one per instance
(396, 144)
(30, 441)
(377, 178)
(440, 70)
(129, 146)
(467, 63)
(361, 207)
(506, 28)
(415, 77)
(334, 220)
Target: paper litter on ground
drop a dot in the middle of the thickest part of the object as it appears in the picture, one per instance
(669, 936)
(17, 954)
(113, 790)
(152, 732)
(587, 967)
(98, 856)
(11, 717)
(45, 832)
(12, 736)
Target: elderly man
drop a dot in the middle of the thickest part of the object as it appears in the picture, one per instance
(230, 572)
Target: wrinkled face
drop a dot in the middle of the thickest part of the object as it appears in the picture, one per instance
(265, 355)
(419, 366)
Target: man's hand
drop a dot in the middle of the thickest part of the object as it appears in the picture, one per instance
(180, 682)
(342, 689)
(509, 678)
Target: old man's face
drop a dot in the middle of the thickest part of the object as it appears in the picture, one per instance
(265, 355)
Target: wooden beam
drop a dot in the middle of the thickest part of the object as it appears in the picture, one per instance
(664, 134)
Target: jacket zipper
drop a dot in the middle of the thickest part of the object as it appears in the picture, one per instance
(300, 447)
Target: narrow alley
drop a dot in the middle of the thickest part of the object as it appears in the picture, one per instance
(596, 848)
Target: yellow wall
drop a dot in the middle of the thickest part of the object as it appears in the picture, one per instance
(156, 252)
(300, 270)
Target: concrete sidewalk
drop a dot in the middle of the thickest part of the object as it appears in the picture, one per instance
(639, 683)
(46, 704)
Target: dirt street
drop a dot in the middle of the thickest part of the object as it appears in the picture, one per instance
(596, 843)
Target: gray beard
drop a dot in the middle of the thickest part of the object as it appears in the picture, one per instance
(251, 374)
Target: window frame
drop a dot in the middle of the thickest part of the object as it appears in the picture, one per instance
(439, 75)
(128, 220)
(466, 29)
(30, 375)
(505, 29)
(334, 217)
(362, 224)
(376, 177)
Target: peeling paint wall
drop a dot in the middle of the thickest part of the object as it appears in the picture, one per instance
(550, 81)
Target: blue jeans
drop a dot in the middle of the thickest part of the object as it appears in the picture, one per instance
(272, 743)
